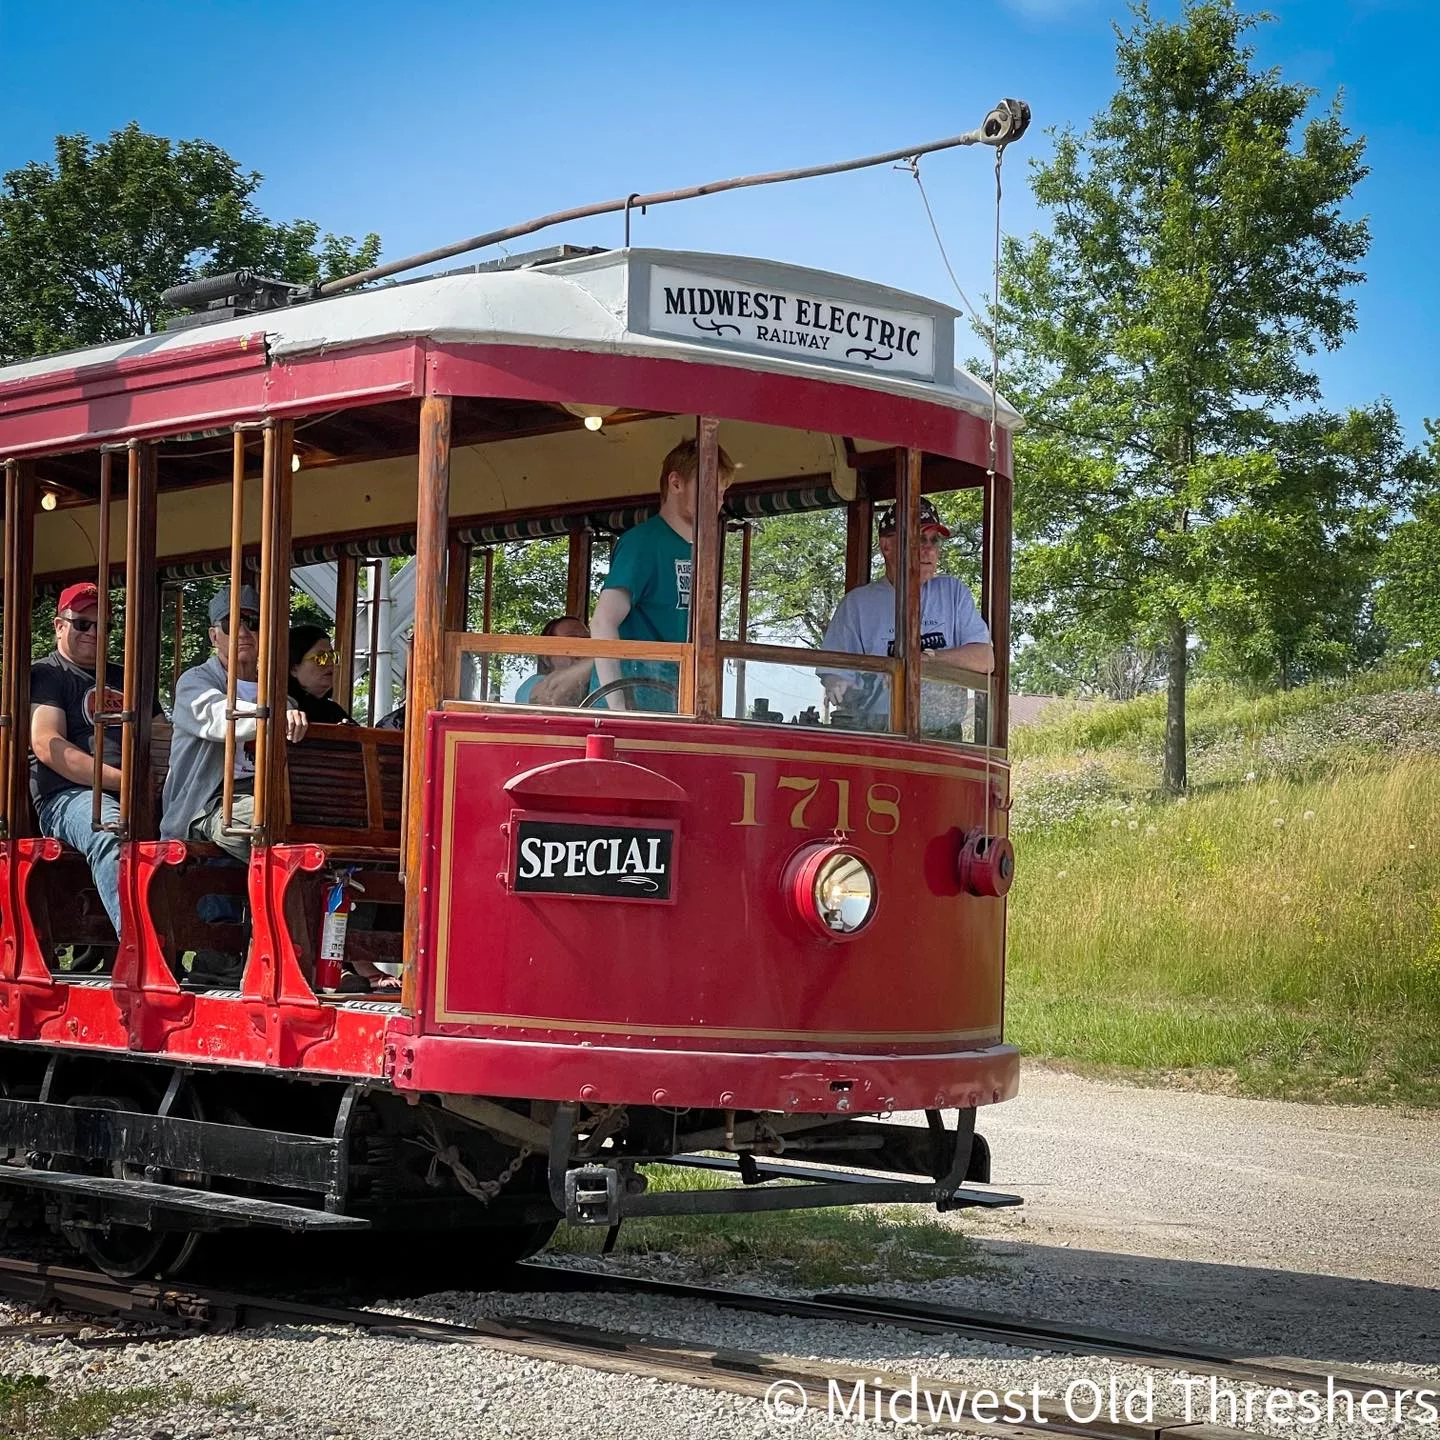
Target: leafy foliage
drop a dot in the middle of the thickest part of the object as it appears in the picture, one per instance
(1410, 593)
(90, 240)
(1293, 573)
(1199, 257)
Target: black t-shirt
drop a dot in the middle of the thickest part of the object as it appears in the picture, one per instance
(55, 681)
(322, 709)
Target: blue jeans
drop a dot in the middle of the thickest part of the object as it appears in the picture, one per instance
(66, 816)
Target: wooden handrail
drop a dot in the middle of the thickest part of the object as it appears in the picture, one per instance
(935, 668)
(578, 646)
(839, 660)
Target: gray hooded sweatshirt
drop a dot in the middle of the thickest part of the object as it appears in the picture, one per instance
(197, 749)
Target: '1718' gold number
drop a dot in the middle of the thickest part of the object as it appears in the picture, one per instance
(882, 804)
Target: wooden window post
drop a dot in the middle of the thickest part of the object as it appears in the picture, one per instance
(859, 518)
(427, 651)
(705, 571)
(20, 495)
(997, 603)
(142, 645)
(577, 581)
(347, 586)
(905, 697)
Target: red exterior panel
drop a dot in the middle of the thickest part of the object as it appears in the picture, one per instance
(724, 990)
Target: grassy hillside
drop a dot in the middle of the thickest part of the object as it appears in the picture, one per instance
(1277, 931)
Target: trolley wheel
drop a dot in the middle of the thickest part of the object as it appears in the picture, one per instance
(629, 684)
(130, 1252)
(474, 1257)
(135, 1252)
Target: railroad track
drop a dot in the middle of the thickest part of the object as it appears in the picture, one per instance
(167, 1311)
(1020, 1332)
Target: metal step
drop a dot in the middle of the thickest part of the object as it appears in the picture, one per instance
(136, 1201)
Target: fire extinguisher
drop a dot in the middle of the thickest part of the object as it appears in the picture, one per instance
(336, 920)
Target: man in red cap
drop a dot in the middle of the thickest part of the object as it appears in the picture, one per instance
(64, 699)
(951, 627)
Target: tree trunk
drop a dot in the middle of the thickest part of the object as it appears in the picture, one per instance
(1177, 658)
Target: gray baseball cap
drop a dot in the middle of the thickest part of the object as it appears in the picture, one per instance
(220, 605)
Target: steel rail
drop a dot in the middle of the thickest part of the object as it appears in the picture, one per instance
(949, 1405)
(1007, 122)
(1022, 1332)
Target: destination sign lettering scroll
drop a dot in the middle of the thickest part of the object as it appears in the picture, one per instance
(783, 321)
(597, 859)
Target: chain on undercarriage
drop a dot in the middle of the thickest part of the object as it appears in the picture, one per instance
(449, 1156)
(601, 1128)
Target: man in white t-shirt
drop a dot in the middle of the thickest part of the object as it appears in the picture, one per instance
(951, 629)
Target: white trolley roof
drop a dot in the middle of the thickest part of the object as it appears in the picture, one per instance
(700, 308)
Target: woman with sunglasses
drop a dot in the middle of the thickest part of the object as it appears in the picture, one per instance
(312, 676)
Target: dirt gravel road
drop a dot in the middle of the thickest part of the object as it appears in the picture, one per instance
(1327, 1189)
(1303, 1229)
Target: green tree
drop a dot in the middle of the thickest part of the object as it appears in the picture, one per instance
(1293, 597)
(89, 240)
(1409, 603)
(1199, 256)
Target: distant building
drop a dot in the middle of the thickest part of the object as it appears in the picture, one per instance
(1030, 709)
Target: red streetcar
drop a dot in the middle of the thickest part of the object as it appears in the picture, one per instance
(630, 929)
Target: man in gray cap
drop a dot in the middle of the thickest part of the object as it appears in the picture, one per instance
(194, 786)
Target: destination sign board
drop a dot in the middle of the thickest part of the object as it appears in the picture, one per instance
(776, 319)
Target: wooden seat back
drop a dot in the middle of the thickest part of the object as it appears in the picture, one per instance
(343, 786)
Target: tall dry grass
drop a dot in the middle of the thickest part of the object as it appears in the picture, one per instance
(1285, 930)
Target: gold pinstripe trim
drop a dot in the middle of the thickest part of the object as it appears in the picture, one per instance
(455, 738)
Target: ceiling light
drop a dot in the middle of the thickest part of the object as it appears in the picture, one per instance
(594, 416)
(48, 499)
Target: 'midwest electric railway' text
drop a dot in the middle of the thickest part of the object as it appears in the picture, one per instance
(812, 322)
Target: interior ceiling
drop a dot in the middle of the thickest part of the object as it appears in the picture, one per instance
(347, 436)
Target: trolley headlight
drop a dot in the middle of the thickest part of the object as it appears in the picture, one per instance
(833, 888)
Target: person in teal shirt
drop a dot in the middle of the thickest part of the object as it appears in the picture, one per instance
(646, 595)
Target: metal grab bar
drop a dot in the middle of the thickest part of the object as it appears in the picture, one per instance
(232, 635)
(103, 716)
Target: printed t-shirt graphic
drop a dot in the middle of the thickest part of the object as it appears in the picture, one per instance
(54, 680)
(864, 624)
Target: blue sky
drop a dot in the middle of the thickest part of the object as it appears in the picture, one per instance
(439, 120)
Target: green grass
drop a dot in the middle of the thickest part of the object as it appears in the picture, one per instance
(31, 1407)
(859, 1245)
(1278, 932)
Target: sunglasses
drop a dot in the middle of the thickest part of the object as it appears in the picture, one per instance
(248, 621)
(324, 659)
(79, 625)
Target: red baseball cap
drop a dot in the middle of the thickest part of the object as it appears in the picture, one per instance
(85, 593)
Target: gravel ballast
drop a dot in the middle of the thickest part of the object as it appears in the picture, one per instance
(1277, 1229)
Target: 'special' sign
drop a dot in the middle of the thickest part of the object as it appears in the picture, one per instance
(621, 862)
